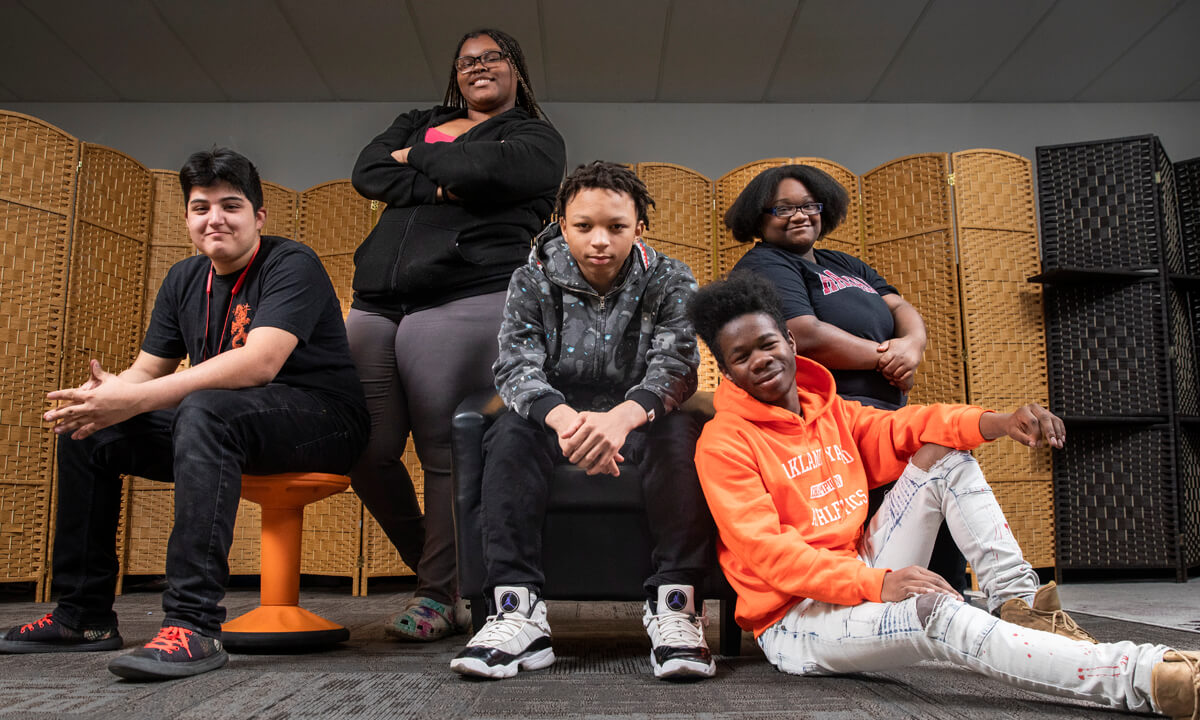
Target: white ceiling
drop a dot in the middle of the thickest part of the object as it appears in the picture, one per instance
(793, 51)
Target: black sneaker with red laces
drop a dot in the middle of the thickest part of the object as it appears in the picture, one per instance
(174, 653)
(48, 635)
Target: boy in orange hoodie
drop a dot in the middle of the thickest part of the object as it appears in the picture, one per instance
(786, 464)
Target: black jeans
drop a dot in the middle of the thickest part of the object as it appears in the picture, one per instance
(203, 446)
(519, 460)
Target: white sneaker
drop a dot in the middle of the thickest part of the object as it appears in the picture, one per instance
(516, 637)
(678, 648)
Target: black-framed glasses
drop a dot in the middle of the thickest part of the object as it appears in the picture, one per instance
(466, 62)
(786, 211)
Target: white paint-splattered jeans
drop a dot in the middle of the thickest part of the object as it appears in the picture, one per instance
(817, 638)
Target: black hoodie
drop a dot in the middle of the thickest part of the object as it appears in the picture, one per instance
(424, 252)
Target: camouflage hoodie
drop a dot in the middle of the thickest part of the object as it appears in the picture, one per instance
(561, 341)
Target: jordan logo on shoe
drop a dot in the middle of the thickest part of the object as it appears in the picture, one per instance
(676, 600)
(509, 602)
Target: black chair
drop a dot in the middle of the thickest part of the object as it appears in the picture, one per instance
(596, 540)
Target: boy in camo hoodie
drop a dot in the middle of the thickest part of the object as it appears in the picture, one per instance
(596, 353)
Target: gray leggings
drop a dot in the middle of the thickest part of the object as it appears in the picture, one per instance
(414, 374)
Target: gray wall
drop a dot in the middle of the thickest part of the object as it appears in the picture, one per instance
(302, 144)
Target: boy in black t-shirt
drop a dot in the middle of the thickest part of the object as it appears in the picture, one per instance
(271, 389)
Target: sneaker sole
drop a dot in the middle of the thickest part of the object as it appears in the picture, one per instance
(677, 668)
(17, 647)
(133, 667)
(477, 668)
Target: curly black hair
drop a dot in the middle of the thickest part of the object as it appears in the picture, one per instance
(516, 59)
(745, 217)
(604, 175)
(720, 302)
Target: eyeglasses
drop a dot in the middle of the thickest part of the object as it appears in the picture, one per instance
(466, 62)
(786, 211)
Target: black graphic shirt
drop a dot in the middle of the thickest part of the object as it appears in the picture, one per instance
(286, 287)
(838, 289)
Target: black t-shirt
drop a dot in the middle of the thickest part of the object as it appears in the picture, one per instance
(838, 289)
(286, 287)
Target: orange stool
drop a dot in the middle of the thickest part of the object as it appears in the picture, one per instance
(279, 621)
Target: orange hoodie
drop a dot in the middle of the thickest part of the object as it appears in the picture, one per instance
(789, 493)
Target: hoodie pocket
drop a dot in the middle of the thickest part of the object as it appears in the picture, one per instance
(429, 258)
(377, 256)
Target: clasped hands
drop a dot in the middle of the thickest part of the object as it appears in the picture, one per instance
(898, 361)
(104, 400)
(592, 440)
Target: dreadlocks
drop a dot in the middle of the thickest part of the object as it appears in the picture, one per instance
(601, 175)
(516, 59)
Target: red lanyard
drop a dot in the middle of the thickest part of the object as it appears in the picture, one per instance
(208, 306)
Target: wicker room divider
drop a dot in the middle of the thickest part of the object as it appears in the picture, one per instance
(126, 228)
(37, 204)
(1003, 330)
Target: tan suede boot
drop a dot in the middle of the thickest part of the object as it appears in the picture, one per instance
(1175, 685)
(1046, 615)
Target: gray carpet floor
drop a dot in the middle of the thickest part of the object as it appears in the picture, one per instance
(603, 671)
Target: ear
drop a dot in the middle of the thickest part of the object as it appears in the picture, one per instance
(260, 217)
(791, 341)
(640, 229)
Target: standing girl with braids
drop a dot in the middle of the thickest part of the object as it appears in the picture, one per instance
(467, 185)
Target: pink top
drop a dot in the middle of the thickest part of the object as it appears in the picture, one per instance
(433, 135)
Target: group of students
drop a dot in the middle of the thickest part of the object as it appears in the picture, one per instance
(590, 339)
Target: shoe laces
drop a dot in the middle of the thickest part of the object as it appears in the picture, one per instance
(677, 629)
(1060, 618)
(48, 619)
(501, 628)
(170, 639)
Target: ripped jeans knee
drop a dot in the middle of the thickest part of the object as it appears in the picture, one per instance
(928, 455)
(927, 604)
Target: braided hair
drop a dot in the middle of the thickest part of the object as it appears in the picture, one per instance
(516, 60)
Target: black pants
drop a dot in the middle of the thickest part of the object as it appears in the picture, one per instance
(203, 446)
(519, 460)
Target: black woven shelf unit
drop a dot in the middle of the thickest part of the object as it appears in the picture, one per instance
(1185, 365)
(1187, 189)
(1107, 350)
(1192, 300)
(1189, 492)
(1168, 208)
(1099, 204)
(1120, 261)
(1115, 499)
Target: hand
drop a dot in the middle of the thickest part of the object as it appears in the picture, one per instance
(1029, 425)
(103, 400)
(906, 383)
(565, 422)
(898, 359)
(401, 155)
(914, 580)
(593, 441)
(444, 195)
